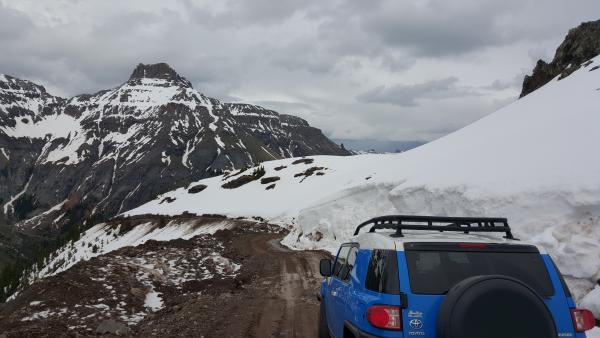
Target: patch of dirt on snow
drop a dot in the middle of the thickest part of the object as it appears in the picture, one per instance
(267, 180)
(309, 172)
(196, 189)
(244, 179)
(304, 161)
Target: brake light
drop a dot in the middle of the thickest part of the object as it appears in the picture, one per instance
(385, 317)
(583, 320)
(472, 245)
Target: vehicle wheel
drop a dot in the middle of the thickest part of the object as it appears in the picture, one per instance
(494, 307)
(323, 329)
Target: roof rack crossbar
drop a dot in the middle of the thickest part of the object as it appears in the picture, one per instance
(439, 223)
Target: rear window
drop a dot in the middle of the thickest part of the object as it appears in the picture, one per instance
(382, 272)
(436, 272)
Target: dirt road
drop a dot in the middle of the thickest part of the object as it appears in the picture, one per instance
(273, 294)
(277, 299)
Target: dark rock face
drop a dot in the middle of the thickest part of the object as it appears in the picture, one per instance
(67, 161)
(158, 71)
(580, 44)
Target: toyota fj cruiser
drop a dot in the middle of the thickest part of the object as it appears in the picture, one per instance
(414, 279)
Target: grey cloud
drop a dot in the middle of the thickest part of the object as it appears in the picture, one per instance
(131, 22)
(408, 95)
(434, 28)
(302, 54)
(237, 13)
(311, 58)
(396, 64)
(539, 53)
(286, 107)
(9, 20)
(82, 58)
(438, 28)
(501, 84)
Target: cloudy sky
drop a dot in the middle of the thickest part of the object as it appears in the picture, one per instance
(397, 70)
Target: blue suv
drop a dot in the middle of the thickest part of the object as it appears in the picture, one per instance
(445, 277)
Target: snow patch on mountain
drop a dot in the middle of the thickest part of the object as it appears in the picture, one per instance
(59, 125)
(147, 93)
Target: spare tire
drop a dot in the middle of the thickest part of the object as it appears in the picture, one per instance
(494, 306)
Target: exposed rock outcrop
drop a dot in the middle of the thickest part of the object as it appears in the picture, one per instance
(581, 44)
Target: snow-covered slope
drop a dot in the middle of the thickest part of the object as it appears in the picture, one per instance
(535, 161)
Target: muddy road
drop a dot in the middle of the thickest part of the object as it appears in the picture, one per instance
(271, 294)
(277, 299)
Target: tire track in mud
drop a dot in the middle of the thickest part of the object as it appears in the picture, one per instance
(277, 298)
(292, 310)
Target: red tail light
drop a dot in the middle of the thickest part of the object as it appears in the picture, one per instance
(472, 245)
(385, 317)
(583, 320)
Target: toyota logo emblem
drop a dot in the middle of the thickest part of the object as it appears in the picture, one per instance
(416, 324)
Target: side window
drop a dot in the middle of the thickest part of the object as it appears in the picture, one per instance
(345, 262)
(347, 269)
(341, 260)
(352, 257)
(382, 273)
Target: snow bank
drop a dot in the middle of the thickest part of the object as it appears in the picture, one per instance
(533, 162)
(592, 301)
(593, 333)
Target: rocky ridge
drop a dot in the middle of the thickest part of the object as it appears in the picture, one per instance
(580, 45)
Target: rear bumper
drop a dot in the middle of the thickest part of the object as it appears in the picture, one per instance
(357, 332)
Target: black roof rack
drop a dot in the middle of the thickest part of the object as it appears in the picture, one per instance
(459, 224)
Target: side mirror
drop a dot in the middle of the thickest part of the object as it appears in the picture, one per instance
(325, 267)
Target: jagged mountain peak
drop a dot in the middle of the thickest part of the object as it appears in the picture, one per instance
(8, 82)
(24, 101)
(581, 44)
(160, 71)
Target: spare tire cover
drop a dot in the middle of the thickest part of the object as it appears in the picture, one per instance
(494, 306)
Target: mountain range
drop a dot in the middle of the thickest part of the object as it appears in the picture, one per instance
(68, 163)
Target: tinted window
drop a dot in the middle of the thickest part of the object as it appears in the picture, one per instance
(436, 272)
(382, 273)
